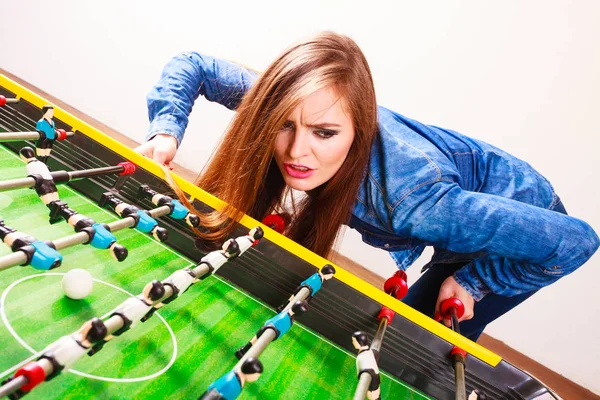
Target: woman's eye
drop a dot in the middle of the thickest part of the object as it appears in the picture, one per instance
(325, 133)
(287, 126)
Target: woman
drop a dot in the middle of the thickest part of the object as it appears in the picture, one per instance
(310, 123)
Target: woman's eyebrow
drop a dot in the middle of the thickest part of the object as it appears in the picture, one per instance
(324, 125)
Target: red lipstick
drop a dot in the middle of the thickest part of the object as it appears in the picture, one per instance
(298, 171)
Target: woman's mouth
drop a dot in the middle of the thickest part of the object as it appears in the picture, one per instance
(298, 171)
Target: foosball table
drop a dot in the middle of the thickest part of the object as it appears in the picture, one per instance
(171, 317)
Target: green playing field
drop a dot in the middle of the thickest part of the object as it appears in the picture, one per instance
(175, 354)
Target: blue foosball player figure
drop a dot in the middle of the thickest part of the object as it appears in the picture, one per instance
(47, 130)
(100, 236)
(142, 218)
(40, 255)
(230, 385)
(178, 210)
(280, 324)
(315, 281)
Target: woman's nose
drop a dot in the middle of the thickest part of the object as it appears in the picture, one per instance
(300, 146)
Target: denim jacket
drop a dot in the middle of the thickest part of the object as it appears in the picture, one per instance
(424, 186)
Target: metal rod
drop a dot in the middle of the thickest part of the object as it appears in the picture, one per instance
(72, 240)
(201, 269)
(461, 387)
(86, 173)
(113, 324)
(16, 184)
(58, 175)
(257, 348)
(19, 136)
(454, 318)
(19, 258)
(378, 339)
(12, 386)
(300, 296)
(15, 136)
(459, 366)
(363, 387)
(381, 329)
(12, 260)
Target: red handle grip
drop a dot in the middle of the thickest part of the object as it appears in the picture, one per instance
(275, 222)
(61, 134)
(447, 306)
(396, 285)
(128, 168)
(34, 373)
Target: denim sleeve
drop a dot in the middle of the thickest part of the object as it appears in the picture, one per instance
(528, 247)
(406, 258)
(183, 79)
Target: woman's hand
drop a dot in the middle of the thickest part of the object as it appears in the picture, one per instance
(161, 148)
(450, 288)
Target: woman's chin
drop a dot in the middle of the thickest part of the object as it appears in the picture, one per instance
(302, 185)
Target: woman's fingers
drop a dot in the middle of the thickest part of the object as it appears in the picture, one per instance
(449, 289)
(161, 148)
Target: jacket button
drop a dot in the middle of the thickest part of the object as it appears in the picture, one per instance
(387, 245)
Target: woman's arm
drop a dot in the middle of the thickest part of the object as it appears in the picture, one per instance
(183, 79)
(528, 247)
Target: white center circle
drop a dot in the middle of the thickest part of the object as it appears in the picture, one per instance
(100, 378)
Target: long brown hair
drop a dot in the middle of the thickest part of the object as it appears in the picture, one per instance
(242, 171)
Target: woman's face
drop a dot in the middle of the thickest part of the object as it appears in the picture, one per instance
(315, 140)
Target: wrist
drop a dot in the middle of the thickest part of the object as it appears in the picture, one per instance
(165, 125)
(467, 278)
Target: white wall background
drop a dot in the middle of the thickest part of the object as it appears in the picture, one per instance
(523, 75)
